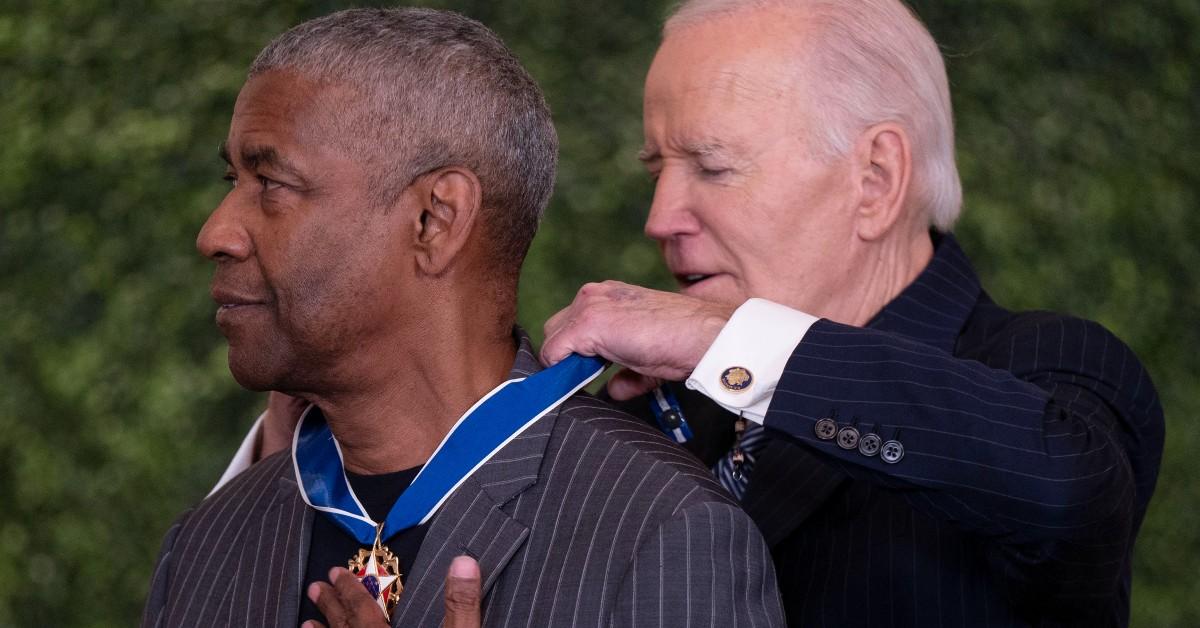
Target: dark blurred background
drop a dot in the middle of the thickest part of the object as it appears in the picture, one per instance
(1077, 141)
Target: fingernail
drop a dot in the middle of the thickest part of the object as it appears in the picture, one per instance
(464, 567)
(314, 592)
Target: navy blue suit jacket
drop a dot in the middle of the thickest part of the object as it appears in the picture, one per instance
(1031, 445)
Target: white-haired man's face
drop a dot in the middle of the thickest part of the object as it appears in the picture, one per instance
(741, 207)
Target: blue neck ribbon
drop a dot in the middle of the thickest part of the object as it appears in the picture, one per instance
(497, 418)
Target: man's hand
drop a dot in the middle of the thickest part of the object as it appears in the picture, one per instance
(346, 603)
(655, 335)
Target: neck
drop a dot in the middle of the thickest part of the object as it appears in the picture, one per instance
(402, 399)
(889, 267)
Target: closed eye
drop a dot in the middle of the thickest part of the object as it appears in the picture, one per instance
(268, 184)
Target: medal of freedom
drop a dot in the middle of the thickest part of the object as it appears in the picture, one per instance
(379, 572)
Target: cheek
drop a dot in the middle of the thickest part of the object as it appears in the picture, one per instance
(747, 226)
(308, 277)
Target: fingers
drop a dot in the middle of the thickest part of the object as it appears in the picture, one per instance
(463, 594)
(659, 334)
(558, 345)
(627, 384)
(559, 340)
(579, 327)
(362, 609)
(346, 602)
(326, 598)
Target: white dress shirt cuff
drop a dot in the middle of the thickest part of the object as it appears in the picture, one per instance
(245, 454)
(744, 364)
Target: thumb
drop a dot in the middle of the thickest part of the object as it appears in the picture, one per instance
(627, 384)
(463, 593)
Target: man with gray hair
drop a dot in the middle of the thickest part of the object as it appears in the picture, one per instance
(915, 454)
(389, 169)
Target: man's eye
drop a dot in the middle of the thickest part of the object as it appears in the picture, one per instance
(268, 184)
(231, 178)
(711, 173)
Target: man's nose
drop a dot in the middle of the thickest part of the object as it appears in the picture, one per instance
(223, 237)
(672, 210)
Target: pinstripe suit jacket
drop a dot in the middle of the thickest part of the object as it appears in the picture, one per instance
(1032, 444)
(589, 518)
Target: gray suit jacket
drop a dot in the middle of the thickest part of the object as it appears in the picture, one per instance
(589, 518)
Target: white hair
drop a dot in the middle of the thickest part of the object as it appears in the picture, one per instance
(872, 61)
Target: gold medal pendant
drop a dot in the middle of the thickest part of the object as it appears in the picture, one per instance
(379, 572)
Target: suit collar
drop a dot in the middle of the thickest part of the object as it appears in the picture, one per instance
(934, 308)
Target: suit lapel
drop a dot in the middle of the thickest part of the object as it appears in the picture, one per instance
(472, 522)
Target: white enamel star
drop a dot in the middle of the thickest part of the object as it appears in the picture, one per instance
(384, 580)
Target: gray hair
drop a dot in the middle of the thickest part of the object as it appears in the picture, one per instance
(435, 89)
(872, 61)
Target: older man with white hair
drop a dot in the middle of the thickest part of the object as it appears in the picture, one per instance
(929, 458)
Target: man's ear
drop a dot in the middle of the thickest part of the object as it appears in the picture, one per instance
(883, 160)
(451, 200)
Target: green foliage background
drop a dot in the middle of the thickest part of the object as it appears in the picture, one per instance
(1077, 143)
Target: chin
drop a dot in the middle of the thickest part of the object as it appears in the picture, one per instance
(253, 370)
(716, 289)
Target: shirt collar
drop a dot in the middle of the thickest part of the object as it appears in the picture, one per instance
(933, 309)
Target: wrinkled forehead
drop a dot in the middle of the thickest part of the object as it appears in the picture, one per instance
(754, 52)
(292, 106)
(712, 81)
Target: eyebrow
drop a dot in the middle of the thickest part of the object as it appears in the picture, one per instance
(694, 149)
(254, 156)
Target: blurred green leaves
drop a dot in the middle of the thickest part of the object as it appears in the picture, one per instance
(1077, 145)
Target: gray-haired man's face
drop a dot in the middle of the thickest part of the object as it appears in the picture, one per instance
(306, 269)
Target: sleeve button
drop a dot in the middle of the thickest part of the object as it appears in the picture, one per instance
(892, 452)
(825, 429)
(869, 444)
(847, 438)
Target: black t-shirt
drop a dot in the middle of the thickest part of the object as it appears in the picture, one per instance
(330, 546)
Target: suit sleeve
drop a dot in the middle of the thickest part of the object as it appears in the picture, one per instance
(160, 585)
(1051, 432)
(706, 563)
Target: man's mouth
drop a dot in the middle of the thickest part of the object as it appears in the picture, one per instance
(230, 302)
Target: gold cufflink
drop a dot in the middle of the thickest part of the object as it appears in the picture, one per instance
(736, 378)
